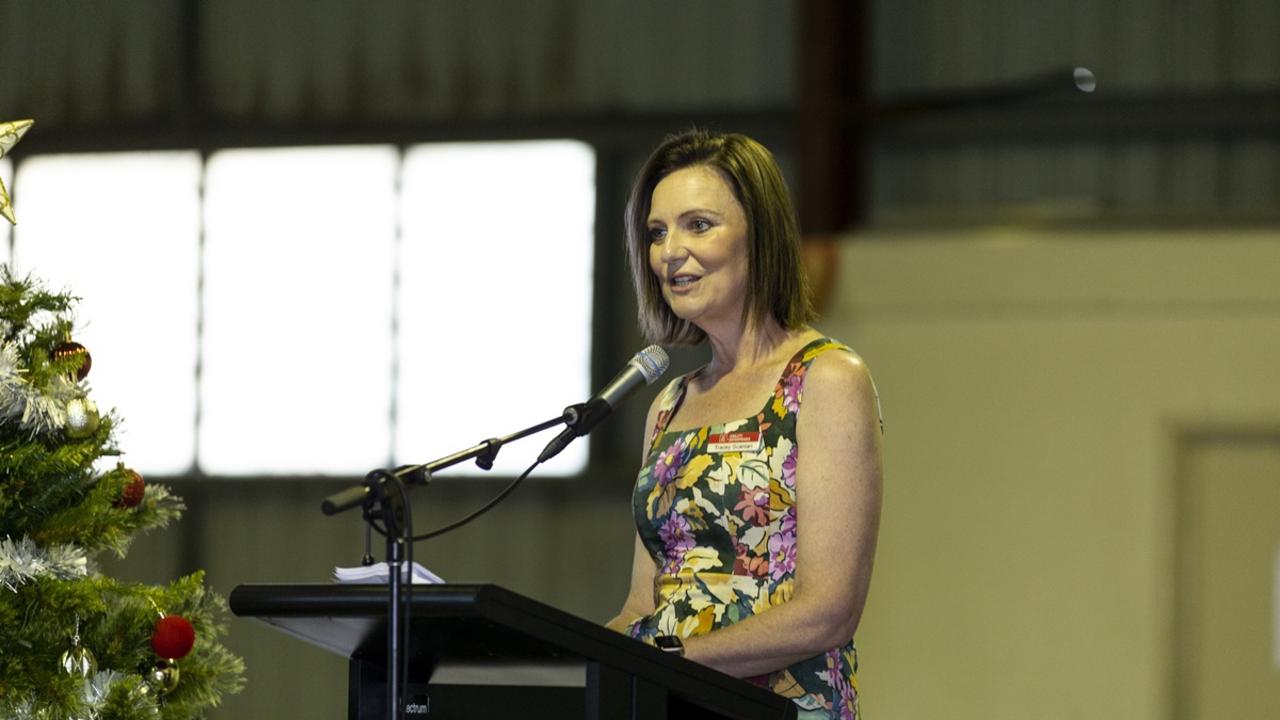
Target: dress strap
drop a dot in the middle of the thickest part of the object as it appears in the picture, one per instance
(791, 384)
(670, 401)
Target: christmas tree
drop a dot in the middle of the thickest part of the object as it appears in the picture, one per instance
(75, 643)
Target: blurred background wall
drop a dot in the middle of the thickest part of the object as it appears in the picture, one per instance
(1067, 285)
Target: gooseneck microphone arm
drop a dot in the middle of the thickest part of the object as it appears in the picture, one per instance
(645, 367)
(484, 455)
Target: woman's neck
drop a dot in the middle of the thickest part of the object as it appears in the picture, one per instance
(748, 345)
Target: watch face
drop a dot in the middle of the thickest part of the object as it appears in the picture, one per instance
(669, 643)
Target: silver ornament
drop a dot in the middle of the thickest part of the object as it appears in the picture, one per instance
(82, 418)
(164, 676)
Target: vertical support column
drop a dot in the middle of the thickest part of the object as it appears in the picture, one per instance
(188, 109)
(833, 112)
(833, 109)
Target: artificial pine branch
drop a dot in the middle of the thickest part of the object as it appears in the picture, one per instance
(56, 513)
(97, 522)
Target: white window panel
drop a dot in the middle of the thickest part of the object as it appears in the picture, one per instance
(495, 297)
(298, 304)
(120, 230)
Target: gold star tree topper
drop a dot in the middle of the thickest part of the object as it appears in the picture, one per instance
(10, 133)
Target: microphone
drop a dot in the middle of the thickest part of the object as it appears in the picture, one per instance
(648, 365)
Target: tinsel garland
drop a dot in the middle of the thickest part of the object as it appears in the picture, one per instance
(98, 692)
(39, 409)
(23, 561)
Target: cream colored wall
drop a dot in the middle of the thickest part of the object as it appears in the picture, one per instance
(1033, 381)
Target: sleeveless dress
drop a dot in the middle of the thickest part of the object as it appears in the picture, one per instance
(715, 506)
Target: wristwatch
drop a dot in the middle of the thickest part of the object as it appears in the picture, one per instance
(669, 643)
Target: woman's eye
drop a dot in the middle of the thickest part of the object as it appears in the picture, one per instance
(700, 225)
(657, 233)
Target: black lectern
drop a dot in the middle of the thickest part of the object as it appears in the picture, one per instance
(480, 651)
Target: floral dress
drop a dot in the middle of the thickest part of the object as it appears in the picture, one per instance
(715, 506)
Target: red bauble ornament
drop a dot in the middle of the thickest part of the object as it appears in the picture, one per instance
(173, 637)
(70, 349)
(133, 490)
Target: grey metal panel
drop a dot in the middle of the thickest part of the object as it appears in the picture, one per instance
(303, 61)
(987, 162)
(1252, 177)
(1251, 51)
(64, 61)
(1134, 44)
(1194, 176)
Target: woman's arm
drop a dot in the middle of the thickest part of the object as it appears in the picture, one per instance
(644, 571)
(838, 497)
(640, 602)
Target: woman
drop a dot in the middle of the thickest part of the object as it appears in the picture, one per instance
(759, 499)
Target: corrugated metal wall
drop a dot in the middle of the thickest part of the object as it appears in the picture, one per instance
(1183, 123)
(308, 62)
(1138, 45)
(1185, 120)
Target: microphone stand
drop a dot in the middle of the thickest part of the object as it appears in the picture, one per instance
(375, 496)
(391, 507)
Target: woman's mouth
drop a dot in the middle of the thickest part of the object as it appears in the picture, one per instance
(683, 282)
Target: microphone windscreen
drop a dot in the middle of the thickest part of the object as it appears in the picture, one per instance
(652, 361)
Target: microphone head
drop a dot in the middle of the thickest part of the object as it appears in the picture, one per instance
(652, 362)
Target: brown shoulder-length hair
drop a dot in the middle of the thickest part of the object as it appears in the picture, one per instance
(776, 284)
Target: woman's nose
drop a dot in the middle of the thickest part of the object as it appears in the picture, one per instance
(674, 248)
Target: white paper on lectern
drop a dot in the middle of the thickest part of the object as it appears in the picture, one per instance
(378, 573)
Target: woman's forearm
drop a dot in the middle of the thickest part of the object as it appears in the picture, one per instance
(772, 640)
(622, 621)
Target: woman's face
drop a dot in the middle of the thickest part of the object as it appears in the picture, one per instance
(698, 246)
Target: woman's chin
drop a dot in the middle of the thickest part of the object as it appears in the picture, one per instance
(685, 311)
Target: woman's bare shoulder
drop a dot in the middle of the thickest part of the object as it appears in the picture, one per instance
(840, 368)
(838, 383)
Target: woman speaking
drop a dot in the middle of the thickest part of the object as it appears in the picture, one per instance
(758, 502)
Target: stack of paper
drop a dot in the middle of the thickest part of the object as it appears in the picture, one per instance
(378, 573)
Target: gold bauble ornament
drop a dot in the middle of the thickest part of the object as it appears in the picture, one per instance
(164, 676)
(78, 661)
(10, 133)
(82, 418)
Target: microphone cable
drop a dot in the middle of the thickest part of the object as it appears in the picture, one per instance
(643, 369)
(481, 510)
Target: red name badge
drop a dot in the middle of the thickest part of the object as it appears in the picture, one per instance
(735, 442)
